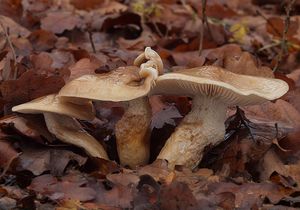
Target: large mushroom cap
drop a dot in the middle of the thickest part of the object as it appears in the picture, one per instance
(52, 104)
(233, 89)
(122, 84)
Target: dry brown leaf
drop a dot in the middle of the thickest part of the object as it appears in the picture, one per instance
(14, 28)
(245, 64)
(36, 6)
(69, 187)
(280, 112)
(7, 154)
(188, 59)
(42, 63)
(145, 39)
(22, 46)
(30, 86)
(32, 126)
(84, 66)
(275, 26)
(59, 21)
(39, 160)
(42, 40)
(87, 4)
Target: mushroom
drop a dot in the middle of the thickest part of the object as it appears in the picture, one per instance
(51, 103)
(69, 130)
(130, 84)
(59, 117)
(212, 89)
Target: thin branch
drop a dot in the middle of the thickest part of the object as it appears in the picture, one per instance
(204, 22)
(92, 41)
(5, 30)
(269, 23)
(283, 49)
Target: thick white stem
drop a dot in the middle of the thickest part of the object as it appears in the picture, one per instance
(202, 127)
(68, 130)
(133, 133)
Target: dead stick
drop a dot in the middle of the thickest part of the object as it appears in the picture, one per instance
(283, 45)
(92, 41)
(11, 47)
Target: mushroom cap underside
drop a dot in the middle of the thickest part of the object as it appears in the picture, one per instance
(122, 84)
(211, 81)
(51, 103)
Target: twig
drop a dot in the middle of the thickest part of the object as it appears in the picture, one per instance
(204, 22)
(283, 49)
(160, 34)
(92, 41)
(269, 23)
(5, 30)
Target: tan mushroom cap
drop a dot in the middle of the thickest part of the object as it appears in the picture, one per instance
(122, 84)
(52, 104)
(233, 89)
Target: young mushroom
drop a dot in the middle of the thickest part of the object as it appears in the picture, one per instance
(59, 117)
(212, 89)
(130, 84)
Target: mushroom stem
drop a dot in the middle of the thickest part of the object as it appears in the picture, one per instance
(68, 130)
(203, 126)
(133, 133)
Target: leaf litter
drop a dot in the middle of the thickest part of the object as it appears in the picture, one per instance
(47, 43)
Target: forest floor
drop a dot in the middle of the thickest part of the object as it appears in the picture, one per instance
(45, 44)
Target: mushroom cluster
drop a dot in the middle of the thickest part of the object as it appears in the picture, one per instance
(212, 89)
(129, 84)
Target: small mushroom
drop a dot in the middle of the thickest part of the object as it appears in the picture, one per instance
(212, 89)
(130, 84)
(51, 103)
(59, 117)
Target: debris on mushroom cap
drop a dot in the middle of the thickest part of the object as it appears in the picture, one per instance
(153, 58)
(52, 104)
(70, 131)
(234, 89)
(122, 84)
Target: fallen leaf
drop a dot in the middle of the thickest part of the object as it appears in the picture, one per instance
(42, 40)
(69, 187)
(275, 26)
(165, 116)
(177, 195)
(7, 154)
(14, 28)
(245, 64)
(280, 112)
(30, 86)
(84, 66)
(59, 21)
(31, 127)
(39, 160)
